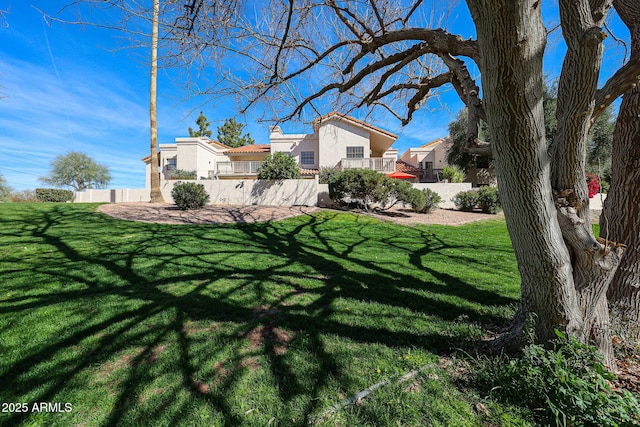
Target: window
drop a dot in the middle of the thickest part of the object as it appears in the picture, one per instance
(307, 158)
(428, 165)
(171, 164)
(355, 152)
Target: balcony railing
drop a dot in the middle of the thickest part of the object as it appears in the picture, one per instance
(375, 163)
(432, 175)
(249, 167)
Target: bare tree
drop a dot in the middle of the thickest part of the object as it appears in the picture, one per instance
(382, 54)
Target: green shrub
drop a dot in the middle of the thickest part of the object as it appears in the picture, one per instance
(189, 195)
(53, 195)
(182, 174)
(453, 173)
(278, 166)
(327, 174)
(432, 200)
(416, 198)
(466, 200)
(566, 385)
(363, 187)
(489, 200)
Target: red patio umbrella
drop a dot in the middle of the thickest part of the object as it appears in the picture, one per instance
(400, 175)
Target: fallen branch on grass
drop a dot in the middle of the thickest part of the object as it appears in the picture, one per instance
(364, 393)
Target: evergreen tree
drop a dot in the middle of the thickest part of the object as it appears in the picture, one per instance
(230, 134)
(203, 127)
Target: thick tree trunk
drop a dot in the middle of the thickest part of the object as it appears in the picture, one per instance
(565, 271)
(512, 43)
(593, 263)
(156, 194)
(620, 221)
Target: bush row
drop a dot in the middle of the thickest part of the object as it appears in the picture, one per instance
(53, 195)
(182, 174)
(367, 189)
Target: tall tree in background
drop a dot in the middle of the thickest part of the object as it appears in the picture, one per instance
(156, 194)
(203, 127)
(598, 145)
(5, 189)
(381, 53)
(621, 215)
(78, 171)
(230, 134)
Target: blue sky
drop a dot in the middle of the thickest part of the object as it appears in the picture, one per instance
(67, 88)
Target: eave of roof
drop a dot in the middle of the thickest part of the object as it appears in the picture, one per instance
(250, 149)
(436, 142)
(355, 121)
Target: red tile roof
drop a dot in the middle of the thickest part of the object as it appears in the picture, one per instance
(250, 149)
(356, 121)
(309, 171)
(402, 166)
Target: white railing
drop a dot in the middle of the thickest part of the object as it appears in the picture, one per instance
(376, 163)
(249, 167)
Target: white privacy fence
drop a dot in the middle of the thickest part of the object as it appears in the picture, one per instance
(291, 192)
(288, 192)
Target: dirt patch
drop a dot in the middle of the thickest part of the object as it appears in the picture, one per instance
(164, 213)
(404, 216)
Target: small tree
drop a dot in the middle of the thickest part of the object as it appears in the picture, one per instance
(453, 174)
(5, 189)
(78, 171)
(278, 166)
(230, 134)
(203, 127)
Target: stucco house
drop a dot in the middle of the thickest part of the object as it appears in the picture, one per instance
(337, 140)
(429, 159)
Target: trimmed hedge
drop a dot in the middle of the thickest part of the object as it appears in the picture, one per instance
(189, 195)
(182, 174)
(53, 195)
(466, 200)
(485, 198)
(489, 200)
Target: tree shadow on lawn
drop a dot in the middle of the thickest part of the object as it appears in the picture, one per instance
(208, 307)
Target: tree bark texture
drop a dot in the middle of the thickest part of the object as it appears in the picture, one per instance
(156, 194)
(512, 39)
(620, 221)
(565, 271)
(593, 263)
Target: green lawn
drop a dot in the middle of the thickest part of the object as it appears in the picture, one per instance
(252, 324)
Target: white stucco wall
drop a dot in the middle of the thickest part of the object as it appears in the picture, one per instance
(334, 138)
(294, 144)
(446, 191)
(290, 192)
(120, 195)
(196, 154)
